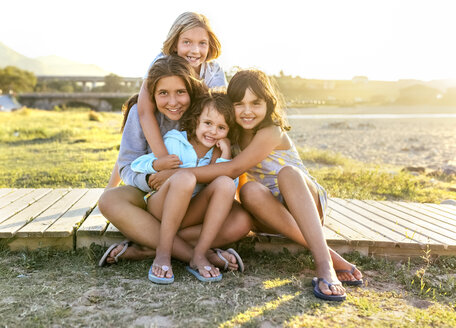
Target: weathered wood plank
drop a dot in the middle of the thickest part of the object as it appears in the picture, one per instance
(439, 226)
(441, 220)
(9, 227)
(13, 196)
(374, 229)
(4, 192)
(336, 222)
(95, 224)
(439, 209)
(333, 236)
(425, 228)
(112, 231)
(65, 225)
(37, 227)
(402, 229)
(20, 203)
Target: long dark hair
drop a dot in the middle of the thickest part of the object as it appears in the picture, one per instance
(262, 86)
(172, 65)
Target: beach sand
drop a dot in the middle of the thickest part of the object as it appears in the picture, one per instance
(424, 142)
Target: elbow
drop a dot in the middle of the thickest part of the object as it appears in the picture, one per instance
(234, 172)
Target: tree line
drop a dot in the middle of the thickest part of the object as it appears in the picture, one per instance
(297, 91)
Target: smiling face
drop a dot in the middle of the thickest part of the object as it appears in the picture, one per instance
(193, 45)
(211, 127)
(250, 111)
(171, 97)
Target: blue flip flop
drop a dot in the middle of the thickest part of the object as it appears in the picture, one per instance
(160, 280)
(319, 294)
(350, 282)
(201, 278)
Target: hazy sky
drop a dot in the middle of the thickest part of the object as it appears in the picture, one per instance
(328, 39)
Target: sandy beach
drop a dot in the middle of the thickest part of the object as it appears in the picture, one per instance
(428, 142)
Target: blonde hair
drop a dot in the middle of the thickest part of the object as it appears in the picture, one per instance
(185, 22)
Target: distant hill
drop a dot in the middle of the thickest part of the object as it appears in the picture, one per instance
(47, 65)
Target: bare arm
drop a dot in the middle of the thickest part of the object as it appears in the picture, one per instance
(263, 143)
(149, 124)
(114, 180)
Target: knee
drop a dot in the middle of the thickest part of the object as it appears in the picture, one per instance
(105, 201)
(289, 172)
(224, 184)
(251, 192)
(183, 180)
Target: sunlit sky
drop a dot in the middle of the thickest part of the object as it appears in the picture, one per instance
(327, 39)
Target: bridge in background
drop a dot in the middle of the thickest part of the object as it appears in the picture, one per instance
(89, 82)
(101, 101)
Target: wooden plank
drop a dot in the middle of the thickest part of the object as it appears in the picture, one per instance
(9, 227)
(428, 229)
(334, 237)
(378, 229)
(435, 208)
(65, 225)
(336, 222)
(22, 202)
(408, 230)
(439, 226)
(111, 230)
(13, 196)
(37, 227)
(441, 220)
(95, 224)
(5, 191)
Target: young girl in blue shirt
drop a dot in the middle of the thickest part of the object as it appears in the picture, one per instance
(181, 202)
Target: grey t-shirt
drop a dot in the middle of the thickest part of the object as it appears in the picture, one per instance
(134, 144)
(211, 73)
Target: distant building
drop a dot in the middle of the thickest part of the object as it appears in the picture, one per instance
(8, 103)
(360, 79)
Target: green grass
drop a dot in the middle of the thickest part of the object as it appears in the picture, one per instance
(78, 148)
(57, 149)
(347, 178)
(54, 288)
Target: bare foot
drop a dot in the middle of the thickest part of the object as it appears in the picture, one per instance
(218, 262)
(161, 267)
(344, 268)
(202, 264)
(326, 272)
(133, 252)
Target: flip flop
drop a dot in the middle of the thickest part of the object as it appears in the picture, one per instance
(319, 294)
(236, 255)
(160, 280)
(350, 282)
(103, 262)
(200, 277)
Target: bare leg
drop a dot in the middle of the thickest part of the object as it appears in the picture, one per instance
(125, 207)
(170, 204)
(213, 204)
(287, 226)
(301, 223)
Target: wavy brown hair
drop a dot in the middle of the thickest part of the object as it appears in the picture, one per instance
(172, 65)
(216, 100)
(263, 87)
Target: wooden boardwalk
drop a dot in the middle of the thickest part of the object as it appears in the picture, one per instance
(69, 219)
